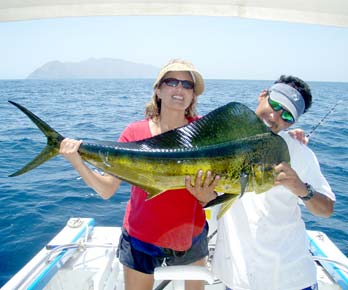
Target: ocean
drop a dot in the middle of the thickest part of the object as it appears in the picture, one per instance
(36, 205)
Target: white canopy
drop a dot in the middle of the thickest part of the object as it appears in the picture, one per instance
(325, 12)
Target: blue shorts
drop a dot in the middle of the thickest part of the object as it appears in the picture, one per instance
(145, 257)
(313, 287)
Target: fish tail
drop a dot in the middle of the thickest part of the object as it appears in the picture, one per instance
(225, 206)
(53, 142)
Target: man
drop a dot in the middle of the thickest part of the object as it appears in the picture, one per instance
(262, 242)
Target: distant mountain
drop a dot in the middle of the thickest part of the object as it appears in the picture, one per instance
(103, 68)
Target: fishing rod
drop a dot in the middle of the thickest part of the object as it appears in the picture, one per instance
(323, 119)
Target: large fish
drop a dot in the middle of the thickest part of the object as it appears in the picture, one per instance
(231, 142)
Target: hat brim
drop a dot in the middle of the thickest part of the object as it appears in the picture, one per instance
(198, 79)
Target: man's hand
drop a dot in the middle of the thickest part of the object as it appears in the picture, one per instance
(287, 177)
(319, 205)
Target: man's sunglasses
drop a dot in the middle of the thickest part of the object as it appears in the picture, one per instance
(172, 82)
(285, 115)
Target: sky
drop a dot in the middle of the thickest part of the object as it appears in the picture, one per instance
(220, 47)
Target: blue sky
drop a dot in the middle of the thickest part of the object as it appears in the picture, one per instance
(220, 47)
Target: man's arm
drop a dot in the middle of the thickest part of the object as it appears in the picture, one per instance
(318, 204)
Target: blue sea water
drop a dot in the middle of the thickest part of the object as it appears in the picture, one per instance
(36, 205)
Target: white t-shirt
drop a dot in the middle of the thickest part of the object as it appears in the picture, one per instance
(262, 242)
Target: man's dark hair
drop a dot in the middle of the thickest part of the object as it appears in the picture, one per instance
(301, 86)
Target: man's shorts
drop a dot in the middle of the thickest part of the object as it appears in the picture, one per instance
(313, 287)
(145, 257)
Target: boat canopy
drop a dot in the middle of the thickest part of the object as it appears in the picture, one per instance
(323, 12)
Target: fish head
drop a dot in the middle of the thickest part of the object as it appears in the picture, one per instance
(262, 177)
(270, 150)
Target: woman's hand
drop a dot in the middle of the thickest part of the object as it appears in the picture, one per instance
(69, 149)
(106, 185)
(203, 189)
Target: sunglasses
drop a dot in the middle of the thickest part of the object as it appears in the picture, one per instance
(285, 115)
(172, 82)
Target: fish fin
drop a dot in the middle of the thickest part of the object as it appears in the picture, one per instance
(53, 141)
(151, 194)
(47, 153)
(243, 180)
(220, 125)
(225, 206)
(155, 191)
(220, 199)
(152, 191)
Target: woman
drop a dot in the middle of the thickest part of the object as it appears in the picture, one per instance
(171, 228)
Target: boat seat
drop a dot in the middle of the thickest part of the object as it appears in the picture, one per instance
(179, 274)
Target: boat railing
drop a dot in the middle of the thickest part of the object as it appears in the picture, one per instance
(81, 246)
(339, 264)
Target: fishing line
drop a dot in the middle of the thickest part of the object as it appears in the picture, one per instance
(323, 119)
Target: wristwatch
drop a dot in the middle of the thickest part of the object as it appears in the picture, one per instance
(310, 192)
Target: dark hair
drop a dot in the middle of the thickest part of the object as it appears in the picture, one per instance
(301, 86)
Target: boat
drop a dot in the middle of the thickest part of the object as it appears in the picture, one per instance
(323, 12)
(82, 256)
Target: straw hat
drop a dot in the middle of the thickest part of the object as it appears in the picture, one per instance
(180, 65)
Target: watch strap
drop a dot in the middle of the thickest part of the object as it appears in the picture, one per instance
(310, 192)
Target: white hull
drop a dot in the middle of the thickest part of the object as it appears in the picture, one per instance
(83, 256)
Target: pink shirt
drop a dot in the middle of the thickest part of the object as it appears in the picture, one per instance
(169, 220)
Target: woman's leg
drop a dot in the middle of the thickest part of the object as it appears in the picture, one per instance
(135, 280)
(196, 284)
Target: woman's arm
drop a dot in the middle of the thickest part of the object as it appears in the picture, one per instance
(105, 185)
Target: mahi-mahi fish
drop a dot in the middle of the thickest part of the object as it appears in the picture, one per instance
(230, 141)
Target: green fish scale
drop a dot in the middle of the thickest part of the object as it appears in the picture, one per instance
(169, 166)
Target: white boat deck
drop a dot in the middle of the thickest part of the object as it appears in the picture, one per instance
(83, 256)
